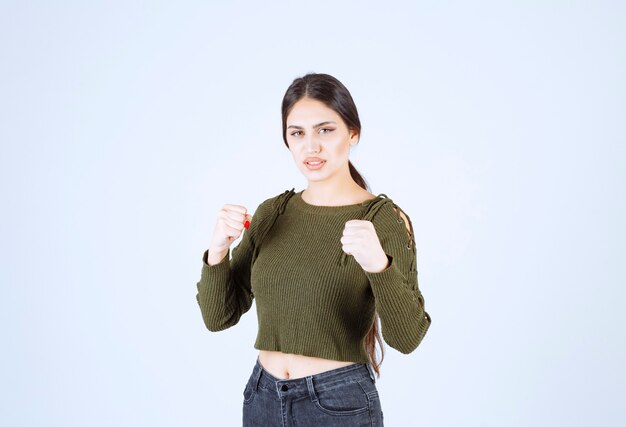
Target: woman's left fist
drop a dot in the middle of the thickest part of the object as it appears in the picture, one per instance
(360, 240)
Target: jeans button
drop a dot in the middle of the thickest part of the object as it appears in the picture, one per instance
(284, 387)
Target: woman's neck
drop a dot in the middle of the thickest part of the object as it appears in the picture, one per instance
(328, 195)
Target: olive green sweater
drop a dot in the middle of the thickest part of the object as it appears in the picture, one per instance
(311, 297)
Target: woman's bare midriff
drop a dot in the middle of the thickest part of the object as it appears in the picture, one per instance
(289, 366)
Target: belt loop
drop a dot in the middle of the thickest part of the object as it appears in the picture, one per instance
(371, 371)
(309, 385)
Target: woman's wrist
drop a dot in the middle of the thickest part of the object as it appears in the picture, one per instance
(382, 266)
(215, 257)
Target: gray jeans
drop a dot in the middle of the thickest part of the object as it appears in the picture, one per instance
(344, 397)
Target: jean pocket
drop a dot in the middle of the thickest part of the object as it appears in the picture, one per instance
(369, 387)
(249, 392)
(348, 399)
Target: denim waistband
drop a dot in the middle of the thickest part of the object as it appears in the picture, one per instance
(297, 387)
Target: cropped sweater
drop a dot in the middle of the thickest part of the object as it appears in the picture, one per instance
(311, 297)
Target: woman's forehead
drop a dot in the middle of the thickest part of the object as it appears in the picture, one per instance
(311, 112)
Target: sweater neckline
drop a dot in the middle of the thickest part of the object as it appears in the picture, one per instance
(328, 210)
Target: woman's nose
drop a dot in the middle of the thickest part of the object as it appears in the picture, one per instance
(312, 146)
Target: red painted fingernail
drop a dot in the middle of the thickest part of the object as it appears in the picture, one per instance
(246, 224)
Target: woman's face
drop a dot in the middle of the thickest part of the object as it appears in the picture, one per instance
(316, 132)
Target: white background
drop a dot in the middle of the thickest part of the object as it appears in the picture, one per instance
(498, 128)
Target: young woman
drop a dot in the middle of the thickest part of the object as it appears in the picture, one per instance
(325, 266)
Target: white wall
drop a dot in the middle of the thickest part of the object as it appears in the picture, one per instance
(498, 128)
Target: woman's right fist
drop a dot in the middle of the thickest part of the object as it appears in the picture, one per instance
(231, 221)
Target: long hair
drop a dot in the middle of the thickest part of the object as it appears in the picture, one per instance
(330, 91)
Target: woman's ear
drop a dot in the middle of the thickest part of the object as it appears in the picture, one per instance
(354, 137)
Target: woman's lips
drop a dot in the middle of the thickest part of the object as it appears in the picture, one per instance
(314, 165)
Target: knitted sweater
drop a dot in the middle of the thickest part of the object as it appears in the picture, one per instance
(311, 297)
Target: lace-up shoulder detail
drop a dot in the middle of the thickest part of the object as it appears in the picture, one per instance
(277, 205)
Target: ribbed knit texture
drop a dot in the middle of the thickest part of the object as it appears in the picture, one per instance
(311, 297)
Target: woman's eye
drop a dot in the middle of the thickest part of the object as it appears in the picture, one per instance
(326, 130)
(296, 133)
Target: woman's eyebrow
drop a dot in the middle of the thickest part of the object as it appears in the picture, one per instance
(316, 126)
(324, 124)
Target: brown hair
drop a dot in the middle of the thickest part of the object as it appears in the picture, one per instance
(330, 91)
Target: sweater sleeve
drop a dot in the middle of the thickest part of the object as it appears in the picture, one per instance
(224, 290)
(399, 301)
